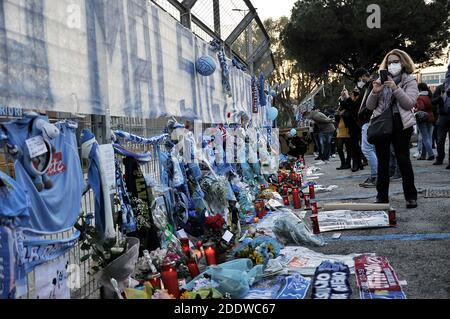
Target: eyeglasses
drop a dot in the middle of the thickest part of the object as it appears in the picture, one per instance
(394, 62)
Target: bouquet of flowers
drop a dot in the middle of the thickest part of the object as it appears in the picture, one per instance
(205, 288)
(215, 228)
(259, 249)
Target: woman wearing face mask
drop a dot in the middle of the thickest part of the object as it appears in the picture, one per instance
(397, 95)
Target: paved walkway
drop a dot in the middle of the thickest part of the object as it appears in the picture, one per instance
(419, 248)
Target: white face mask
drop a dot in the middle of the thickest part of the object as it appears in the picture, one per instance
(395, 69)
(361, 84)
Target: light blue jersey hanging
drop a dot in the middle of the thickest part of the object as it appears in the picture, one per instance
(55, 209)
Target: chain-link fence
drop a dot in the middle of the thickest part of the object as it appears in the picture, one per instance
(233, 22)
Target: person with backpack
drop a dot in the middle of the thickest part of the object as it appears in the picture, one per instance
(441, 98)
(425, 119)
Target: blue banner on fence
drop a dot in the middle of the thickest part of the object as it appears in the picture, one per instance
(79, 56)
(35, 250)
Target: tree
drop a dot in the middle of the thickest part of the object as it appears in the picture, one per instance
(333, 35)
(302, 83)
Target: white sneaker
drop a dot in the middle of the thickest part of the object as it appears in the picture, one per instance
(333, 156)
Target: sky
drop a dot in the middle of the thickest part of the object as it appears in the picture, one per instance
(273, 9)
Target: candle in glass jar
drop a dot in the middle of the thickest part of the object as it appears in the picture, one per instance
(170, 279)
(260, 208)
(210, 255)
(307, 202)
(155, 280)
(185, 246)
(315, 208)
(296, 198)
(312, 192)
(193, 268)
(286, 200)
(299, 180)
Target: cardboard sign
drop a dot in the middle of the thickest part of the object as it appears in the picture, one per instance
(227, 236)
(377, 279)
(106, 154)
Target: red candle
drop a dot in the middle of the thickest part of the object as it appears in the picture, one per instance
(307, 202)
(293, 176)
(185, 247)
(392, 218)
(155, 280)
(312, 192)
(193, 268)
(315, 224)
(299, 180)
(296, 198)
(170, 279)
(210, 255)
(315, 208)
(285, 190)
(286, 200)
(260, 208)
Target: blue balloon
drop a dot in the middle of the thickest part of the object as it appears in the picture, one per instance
(205, 65)
(293, 132)
(272, 114)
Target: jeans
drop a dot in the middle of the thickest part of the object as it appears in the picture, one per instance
(443, 128)
(427, 135)
(325, 144)
(316, 137)
(400, 141)
(369, 152)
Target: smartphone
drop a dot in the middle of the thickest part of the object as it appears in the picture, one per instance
(384, 76)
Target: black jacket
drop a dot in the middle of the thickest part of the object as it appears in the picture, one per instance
(350, 116)
(438, 101)
(364, 114)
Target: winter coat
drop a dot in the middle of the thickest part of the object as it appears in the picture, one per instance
(406, 97)
(324, 123)
(351, 116)
(424, 104)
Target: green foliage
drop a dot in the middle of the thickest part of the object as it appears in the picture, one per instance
(141, 212)
(94, 245)
(332, 35)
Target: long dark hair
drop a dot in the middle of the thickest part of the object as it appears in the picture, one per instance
(424, 87)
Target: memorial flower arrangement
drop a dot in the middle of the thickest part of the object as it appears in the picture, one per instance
(205, 288)
(216, 190)
(259, 250)
(158, 258)
(215, 228)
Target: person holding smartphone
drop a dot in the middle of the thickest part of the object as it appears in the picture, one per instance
(396, 92)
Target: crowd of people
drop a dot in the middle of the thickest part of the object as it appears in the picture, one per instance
(413, 108)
